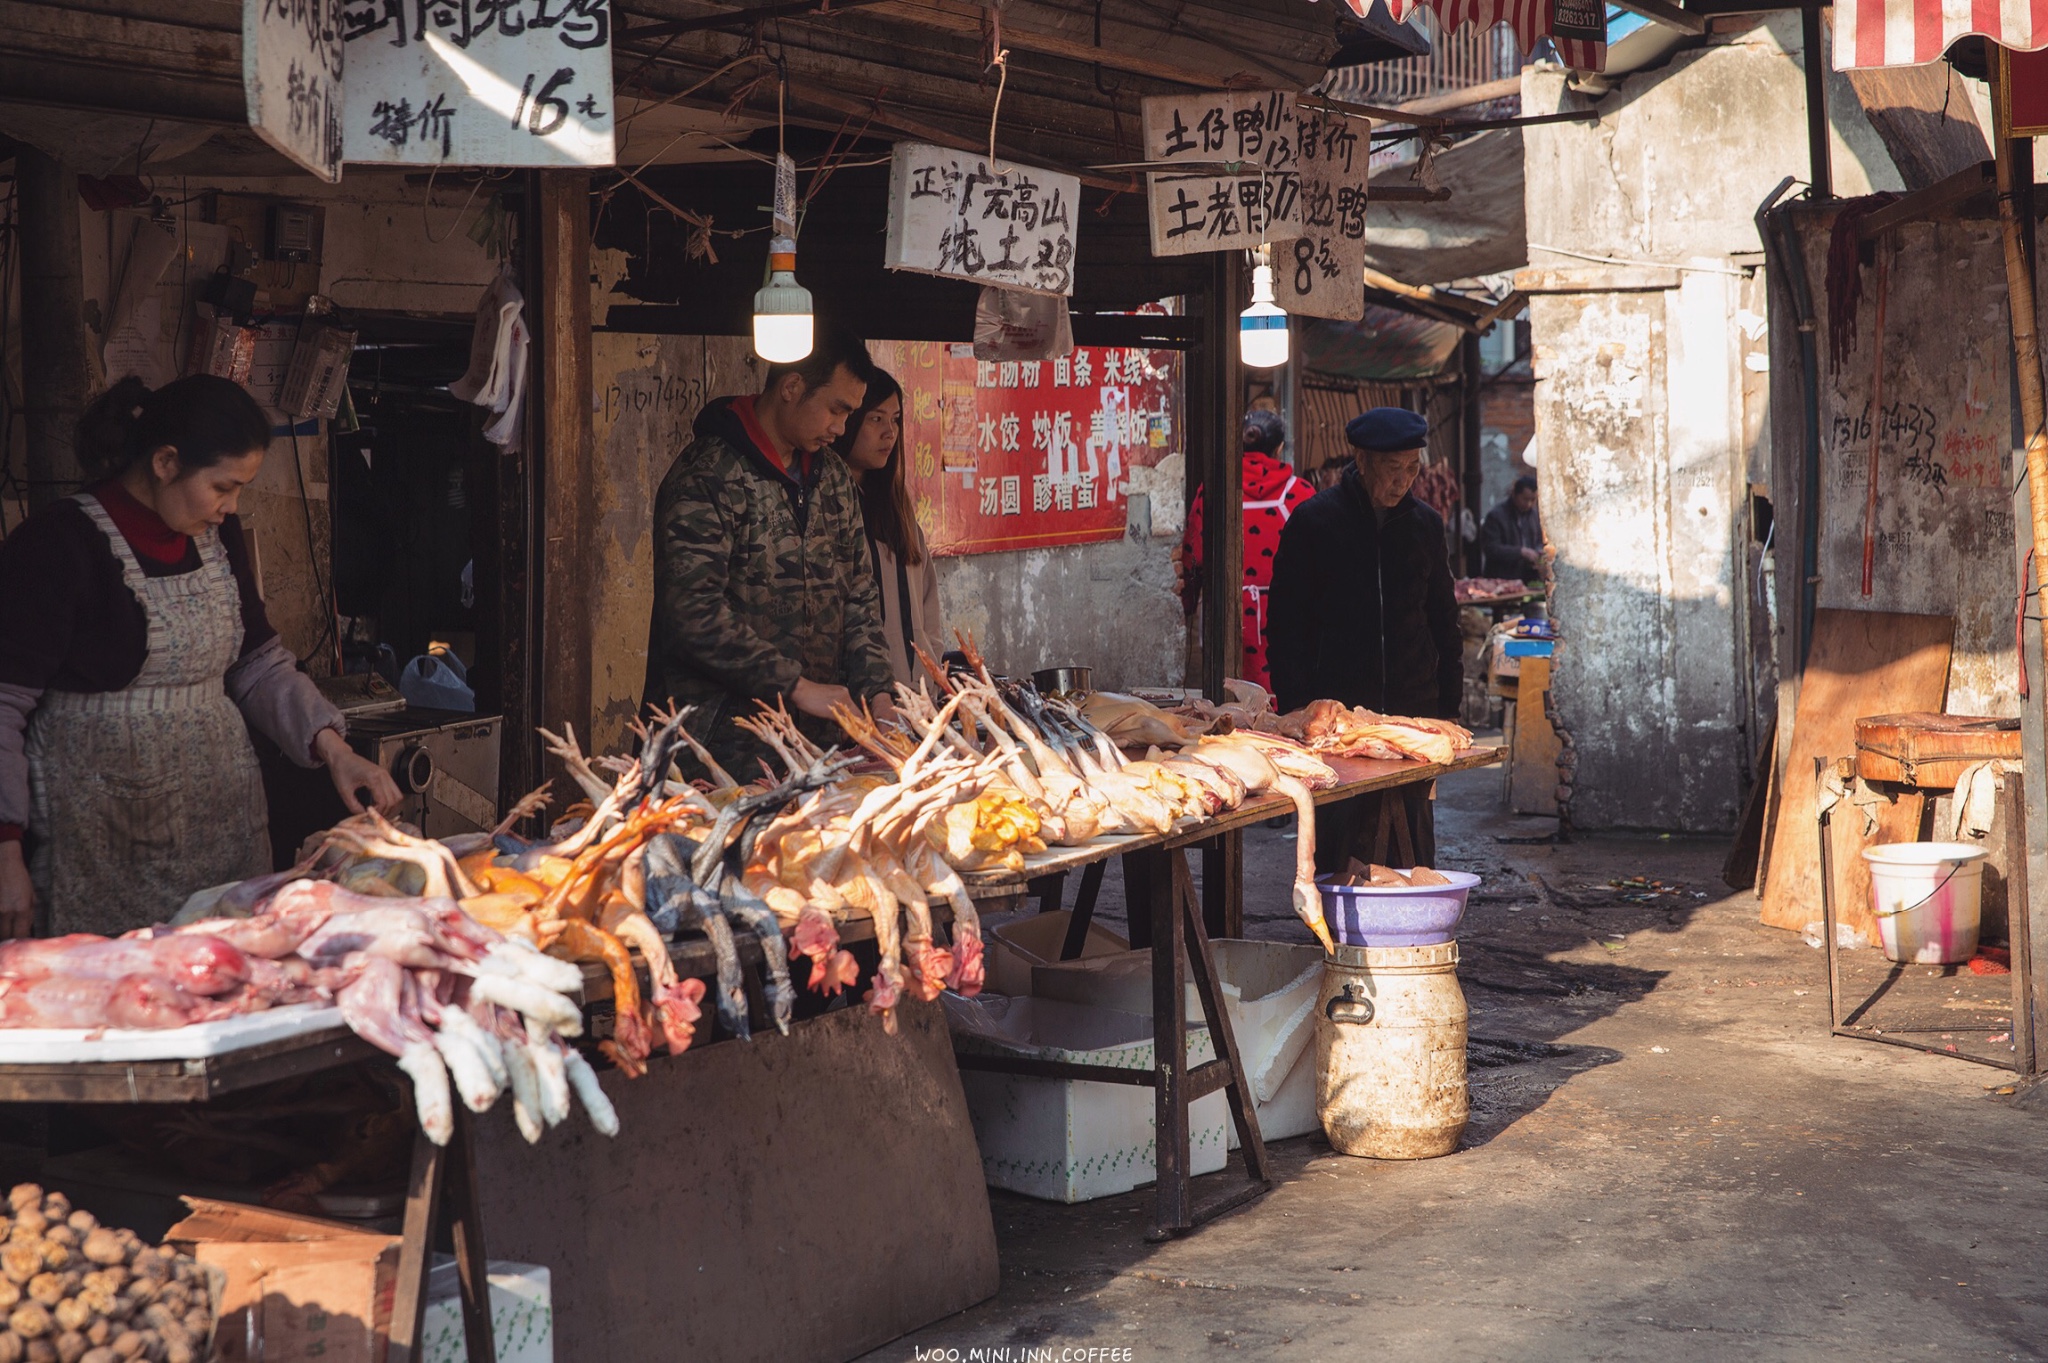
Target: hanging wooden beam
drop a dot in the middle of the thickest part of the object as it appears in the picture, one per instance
(1927, 203)
(745, 17)
(955, 16)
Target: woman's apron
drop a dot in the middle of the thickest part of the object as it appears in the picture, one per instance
(144, 795)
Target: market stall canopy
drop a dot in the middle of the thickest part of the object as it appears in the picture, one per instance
(1386, 345)
(1913, 32)
(1577, 28)
(1477, 231)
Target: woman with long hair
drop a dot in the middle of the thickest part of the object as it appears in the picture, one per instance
(873, 448)
(134, 657)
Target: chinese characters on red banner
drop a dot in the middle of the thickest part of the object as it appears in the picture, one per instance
(1022, 454)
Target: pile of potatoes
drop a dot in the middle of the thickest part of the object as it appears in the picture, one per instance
(74, 1291)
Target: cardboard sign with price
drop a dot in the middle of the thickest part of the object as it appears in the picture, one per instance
(1304, 195)
(478, 82)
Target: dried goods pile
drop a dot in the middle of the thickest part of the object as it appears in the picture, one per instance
(74, 1291)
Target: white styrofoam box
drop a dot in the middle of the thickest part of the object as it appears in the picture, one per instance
(1270, 991)
(1065, 1140)
(1119, 980)
(522, 1313)
(1017, 945)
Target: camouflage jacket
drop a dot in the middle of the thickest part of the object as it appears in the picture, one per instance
(760, 578)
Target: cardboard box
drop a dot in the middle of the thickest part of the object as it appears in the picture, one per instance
(1070, 1140)
(298, 1288)
(1014, 947)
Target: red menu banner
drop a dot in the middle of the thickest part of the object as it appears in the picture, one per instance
(1023, 454)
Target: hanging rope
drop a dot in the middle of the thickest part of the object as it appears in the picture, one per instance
(1002, 66)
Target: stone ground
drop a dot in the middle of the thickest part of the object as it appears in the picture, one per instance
(1693, 1168)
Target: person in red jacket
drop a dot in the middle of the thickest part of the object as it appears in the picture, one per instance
(1271, 493)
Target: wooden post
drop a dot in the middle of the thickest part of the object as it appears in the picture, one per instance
(1813, 56)
(565, 459)
(1219, 424)
(1172, 1202)
(56, 373)
(2014, 166)
(2008, 152)
(1472, 476)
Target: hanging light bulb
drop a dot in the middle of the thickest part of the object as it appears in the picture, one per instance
(1262, 327)
(782, 309)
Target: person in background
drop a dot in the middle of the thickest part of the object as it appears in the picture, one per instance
(134, 657)
(1363, 609)
(1511, 540)
(904, 571)
(1271, 494)
(764, 587)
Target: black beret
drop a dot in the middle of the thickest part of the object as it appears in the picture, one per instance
(1388, 428)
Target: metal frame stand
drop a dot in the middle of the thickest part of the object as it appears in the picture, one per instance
(2013, 797)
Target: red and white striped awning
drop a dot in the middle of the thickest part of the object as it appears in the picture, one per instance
(1911, 32)
(1577, 27)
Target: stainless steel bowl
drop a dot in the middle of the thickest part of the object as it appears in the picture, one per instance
(1063, 681)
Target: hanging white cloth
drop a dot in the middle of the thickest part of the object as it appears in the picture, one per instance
(496, 379)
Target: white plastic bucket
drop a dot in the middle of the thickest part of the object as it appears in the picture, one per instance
(1926, 896)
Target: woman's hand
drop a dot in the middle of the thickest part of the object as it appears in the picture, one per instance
(17, 893)
(352, 773)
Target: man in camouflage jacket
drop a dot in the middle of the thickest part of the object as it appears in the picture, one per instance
(763, 588)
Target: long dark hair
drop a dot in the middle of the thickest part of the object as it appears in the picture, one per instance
(885, 492)
(204, 418)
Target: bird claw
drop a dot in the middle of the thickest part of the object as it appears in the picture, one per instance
(969, 966)
(677, 1009)
(930, 969)
(629, 1066)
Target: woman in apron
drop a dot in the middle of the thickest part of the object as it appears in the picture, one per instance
(134, 656)
(873, 448)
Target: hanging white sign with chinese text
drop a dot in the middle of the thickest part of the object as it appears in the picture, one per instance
(478, 82)
(291, 76)
(1321, 273)
(1241, 183)
(955, 213)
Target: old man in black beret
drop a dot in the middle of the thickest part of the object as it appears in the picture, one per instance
(1362, 608)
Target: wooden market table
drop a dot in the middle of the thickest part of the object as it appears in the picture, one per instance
(1156, 872)
(437, 1171)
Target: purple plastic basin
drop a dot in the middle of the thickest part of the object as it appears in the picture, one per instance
(1395, 916)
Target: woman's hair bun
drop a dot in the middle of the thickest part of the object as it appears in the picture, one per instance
(204, 418)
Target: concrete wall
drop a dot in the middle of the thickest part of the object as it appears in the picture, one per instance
(1107, 606)
(1648, 429)
(1945, 531)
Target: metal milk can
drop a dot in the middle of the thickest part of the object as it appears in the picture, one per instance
(1390, 1051)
